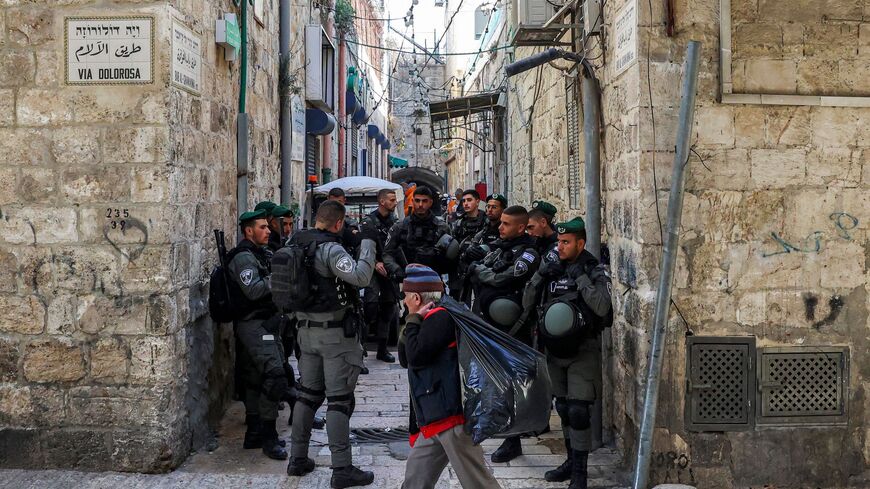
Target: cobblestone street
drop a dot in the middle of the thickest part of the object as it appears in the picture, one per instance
(382, 402)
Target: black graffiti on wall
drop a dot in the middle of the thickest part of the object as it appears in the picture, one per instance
(672, 467)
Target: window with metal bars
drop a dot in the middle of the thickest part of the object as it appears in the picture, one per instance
(573, 141)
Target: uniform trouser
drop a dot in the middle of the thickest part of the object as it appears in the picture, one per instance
(380, 317)
(329, 365)
(576, 385)
(430, 455)
(261, 356)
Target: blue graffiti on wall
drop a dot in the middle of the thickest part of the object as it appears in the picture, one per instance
(842, 223)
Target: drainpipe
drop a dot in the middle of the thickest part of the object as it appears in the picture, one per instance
(591, 93)
(669, 258)
(341, 117)
(591, 133)
(242, 121)
(286, 123)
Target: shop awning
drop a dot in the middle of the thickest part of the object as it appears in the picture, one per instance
(396, 162)
(318, 122)
(373, 131)
(463, 106)
(350, 102)
(359, 115)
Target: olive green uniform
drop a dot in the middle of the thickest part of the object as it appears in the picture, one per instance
(330, 362)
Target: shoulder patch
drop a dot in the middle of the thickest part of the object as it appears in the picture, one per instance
(247, 276)
(528, 257)
(520, 268)
(345, 264)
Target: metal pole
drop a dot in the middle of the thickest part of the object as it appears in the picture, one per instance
(591, 134)
(286, 124)
(242, 121)
(669, 258)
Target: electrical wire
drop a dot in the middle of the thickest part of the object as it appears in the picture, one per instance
(492, 49)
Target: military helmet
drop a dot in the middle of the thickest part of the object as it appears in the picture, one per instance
(504, 312)
(450, 246)
(562, 319)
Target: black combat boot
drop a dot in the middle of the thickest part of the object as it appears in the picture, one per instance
(271, 444)
(350, 476)
(562, 472)
(579, 473)
(384, 355)
(253, 437)
(300, 466)
(509, 450)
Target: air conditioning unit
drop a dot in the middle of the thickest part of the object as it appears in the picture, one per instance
(533, 12)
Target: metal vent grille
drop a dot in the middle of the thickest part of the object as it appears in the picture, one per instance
(720, 383)
(802, 385)
(573, 138)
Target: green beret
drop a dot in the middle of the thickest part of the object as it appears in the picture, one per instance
(265, 205)
(281, 211)
(573, 226)
(251, 215)
(499, 197)
(545, 207)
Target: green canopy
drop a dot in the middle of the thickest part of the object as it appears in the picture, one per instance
(396, 162)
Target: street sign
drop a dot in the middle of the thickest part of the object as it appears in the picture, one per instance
(109, 50)
(186, 59)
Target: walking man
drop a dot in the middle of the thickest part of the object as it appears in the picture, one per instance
(437, 433)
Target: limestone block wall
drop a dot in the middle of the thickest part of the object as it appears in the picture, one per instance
(773, 245)
(109, 195)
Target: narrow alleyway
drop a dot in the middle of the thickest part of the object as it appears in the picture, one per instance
(382, 402)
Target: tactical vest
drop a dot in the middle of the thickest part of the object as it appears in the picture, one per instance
(420, 237)
(564, 289)
(259, 309)
(488, 236)
(330, 293)
(499, 261)
(468, 227)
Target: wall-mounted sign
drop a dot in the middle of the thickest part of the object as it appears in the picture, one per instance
(186, 59)
(228, 35)
(625, 35)
(297, 141)
(109, 50)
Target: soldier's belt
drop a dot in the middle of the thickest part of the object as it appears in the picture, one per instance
(321, 324)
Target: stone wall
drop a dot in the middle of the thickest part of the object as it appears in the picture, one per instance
(804, 47)
(109, 197)
(773, 241)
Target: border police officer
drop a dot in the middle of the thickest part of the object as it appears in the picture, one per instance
(542, 228)
(417, 237)
(381, 296)
(331, 355)
(576, 307)
(259, 335)
(499, 281)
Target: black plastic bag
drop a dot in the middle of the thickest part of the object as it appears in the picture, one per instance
(506, 388)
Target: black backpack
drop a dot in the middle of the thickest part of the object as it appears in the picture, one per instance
(219, 305)
(292, 286)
